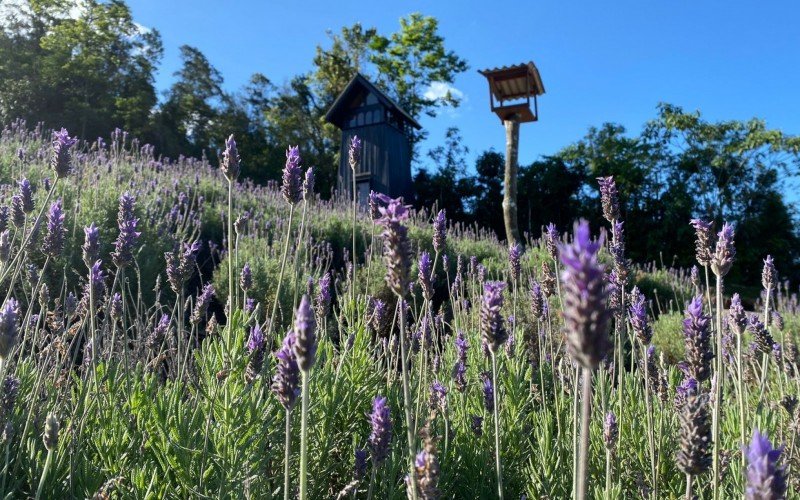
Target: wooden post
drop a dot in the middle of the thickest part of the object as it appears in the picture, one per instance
(510, 180)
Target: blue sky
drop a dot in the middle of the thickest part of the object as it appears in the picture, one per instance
(599, 61)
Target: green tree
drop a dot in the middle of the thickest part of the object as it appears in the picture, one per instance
(90, 72)
(448, 186)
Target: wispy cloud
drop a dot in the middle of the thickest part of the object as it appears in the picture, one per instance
(441, 90)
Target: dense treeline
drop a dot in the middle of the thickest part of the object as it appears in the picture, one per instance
(91, 69)
(679, 167)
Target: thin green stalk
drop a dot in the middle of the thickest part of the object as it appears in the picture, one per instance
(287, 453)
(649, 406)
(280, 277)
(407, 399)
(48, 462)
(498, 465)
(231, 286)
(584, 449)
(304, 438)
(717, 393)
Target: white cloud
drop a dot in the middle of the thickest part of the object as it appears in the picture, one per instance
(440, 90)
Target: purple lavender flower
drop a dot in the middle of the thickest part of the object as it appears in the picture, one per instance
(375, 204)
(381, 435)
(492, 327)
(438, 395)
(704, 232)
(537, 299)
(286, 381)
(395, 244)
(637, 313)
(360, 464)
(610, 430)
(203, 301)
(230, 160)
(765, 478)
(354, 152)
(761, 337)
(249, 305)
(305, 346)
(476, 424)
(292, 176)
(53, 243)
(255, 342)
(686, 388)
(514, 255)
(26, 194)
(246, 278)
(5, 245)
(698, 341)
(724, 253)
(308, 184)
(181, 264)
(128, 237)
(769, 275)
(426, 471)
(552, 239)
(737, 319)
(9, 327)
(488, 393)
(440, 232)
(322, 301)
(695, 277)
(585, 314)
(609, 198)
(424, 275)
(61, 160)
(91, 245)
(17, 213)
(115, 309)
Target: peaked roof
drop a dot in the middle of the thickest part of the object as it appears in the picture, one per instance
(511, 82)
(336, 114)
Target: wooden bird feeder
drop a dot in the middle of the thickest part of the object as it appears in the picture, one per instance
(511, 84)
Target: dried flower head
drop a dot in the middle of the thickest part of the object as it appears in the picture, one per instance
(426, 470)
(769, 275)
(396, 253)
(50, 436)
(704, 240)
(761, 337)
(552, 240)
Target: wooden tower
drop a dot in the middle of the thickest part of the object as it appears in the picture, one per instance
(513, 87)
(383, 127)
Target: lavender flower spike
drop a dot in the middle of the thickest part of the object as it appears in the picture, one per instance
(354, 152)
(381, 435)
(765, 478)
(440, 231)
(26, 194)
(305, 348)
(514, 256)
(492, 327)
(91, 245)
(291, 187)
(53, 243)
(424, 275)
(552, 237)
(426, 467)
(585, 314)
(396, 253)
(769, 276)
(704, 233)
(286, 381)
(308, 184)
(698, 341)
(737, 319)
(9, 327)
(230, 160)
(609, 198)
(637, 313)
(61, 160)
(724, 253)
(610, 430)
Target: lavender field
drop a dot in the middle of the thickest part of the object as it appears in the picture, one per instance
(171, 331)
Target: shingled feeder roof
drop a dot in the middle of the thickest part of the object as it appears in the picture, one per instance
(358, 86)
(513, 82)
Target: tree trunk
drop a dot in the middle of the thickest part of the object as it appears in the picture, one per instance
(510, 181)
